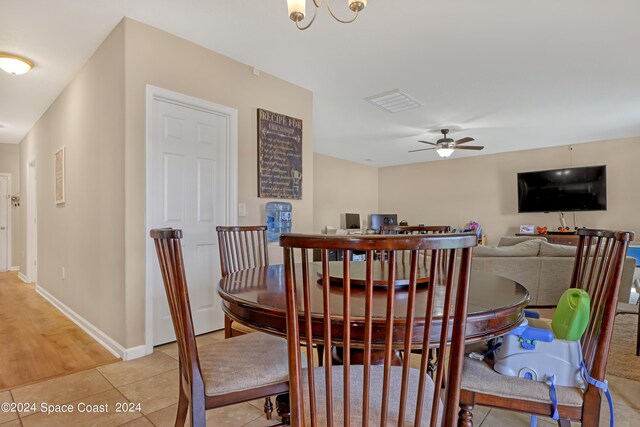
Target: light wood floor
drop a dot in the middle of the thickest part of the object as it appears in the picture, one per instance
(37, 341)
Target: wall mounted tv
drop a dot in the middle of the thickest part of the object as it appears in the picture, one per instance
(563, 190)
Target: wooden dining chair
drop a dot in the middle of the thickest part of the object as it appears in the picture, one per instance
(368, 394)
(597, 270)
(416, 229)
(241, 247)
(224, 372)
(434, 353)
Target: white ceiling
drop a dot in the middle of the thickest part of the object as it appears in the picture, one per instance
(512, 74)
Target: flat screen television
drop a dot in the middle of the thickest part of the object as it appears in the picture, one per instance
(563, 190)
(378, 220)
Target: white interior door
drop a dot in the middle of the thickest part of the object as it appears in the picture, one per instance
(4, 222)
(188, 191)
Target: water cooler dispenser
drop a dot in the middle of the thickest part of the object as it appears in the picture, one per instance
(278, 219)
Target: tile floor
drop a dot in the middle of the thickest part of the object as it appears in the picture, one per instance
(152, 382)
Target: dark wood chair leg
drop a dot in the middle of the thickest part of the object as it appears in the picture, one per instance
(227, 327)
(638, 337)
(183, 407)
(268, 407)
(198, 411)
(564, 423)
(591, 407)
(465, 416)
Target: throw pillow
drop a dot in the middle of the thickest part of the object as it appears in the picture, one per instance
(510, 241)
(526, 248)
(549, 249)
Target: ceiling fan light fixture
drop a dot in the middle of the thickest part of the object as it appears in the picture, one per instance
(14, 64)
(444, 152)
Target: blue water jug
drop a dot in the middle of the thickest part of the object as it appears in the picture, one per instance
(278, 219)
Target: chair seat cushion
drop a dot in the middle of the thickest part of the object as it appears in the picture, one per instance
(375, 396)
(479, 376)
(242, 363)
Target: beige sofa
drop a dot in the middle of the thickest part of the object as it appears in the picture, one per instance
(543, 268)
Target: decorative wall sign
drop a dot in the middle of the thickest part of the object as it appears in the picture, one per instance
(59, 177)
(279, 156)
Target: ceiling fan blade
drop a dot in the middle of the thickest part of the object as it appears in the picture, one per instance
(470, 147)
(430, 143)
(464, 140)
(422, 149)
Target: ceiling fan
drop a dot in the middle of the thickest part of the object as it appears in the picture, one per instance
(445, 146)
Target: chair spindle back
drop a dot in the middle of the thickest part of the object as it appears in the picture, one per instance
(597, 270)
(169, 250)
(416, 229)
(412, 317)
(242, 247)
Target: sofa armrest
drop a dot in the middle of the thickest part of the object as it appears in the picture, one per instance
(628, 270)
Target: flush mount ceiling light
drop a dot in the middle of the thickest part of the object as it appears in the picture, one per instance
(297, 9)
(14, 64)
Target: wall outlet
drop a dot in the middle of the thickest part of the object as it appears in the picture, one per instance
(64, 273)
(242, 209)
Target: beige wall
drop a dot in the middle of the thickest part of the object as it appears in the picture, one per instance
(484, 188)
(86, 234)
(160, 59)
(10, 163)
(340, 187)
(99, 235)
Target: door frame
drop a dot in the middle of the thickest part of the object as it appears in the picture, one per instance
(9, 229)
(32, 222)
(231, 163)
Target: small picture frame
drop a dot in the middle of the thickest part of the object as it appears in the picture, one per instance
(527, 229)
(59, 177)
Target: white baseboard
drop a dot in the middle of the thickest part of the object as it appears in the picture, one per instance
(102, 338)
(22, 277)
(14, 268)
(134, 352)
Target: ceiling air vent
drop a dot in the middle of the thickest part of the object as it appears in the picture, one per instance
(393, 101)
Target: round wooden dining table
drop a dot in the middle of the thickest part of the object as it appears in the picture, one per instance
(255, 297)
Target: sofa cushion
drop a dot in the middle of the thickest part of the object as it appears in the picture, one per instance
(526, 248)
(510, 241)
(523, 270)
(550, 249)
(555, 278)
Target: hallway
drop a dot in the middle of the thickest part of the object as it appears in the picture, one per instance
(39, 342)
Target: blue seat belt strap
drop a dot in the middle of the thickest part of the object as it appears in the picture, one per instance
(551, 380)
(602, 385)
